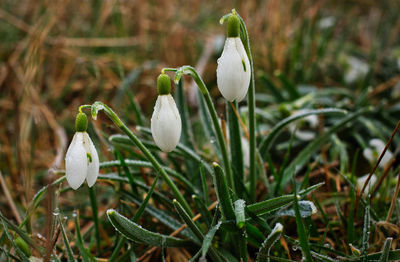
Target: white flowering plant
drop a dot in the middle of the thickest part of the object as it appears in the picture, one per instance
(227, 179)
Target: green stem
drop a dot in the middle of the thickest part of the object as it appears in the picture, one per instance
(189, 70)
(111, 114)
(93, 202)
(251, 105)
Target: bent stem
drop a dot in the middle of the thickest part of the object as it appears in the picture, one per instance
(97, 106)
(189, 70)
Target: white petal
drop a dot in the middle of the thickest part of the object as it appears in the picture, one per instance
(166, 123)
(387, 157)
(93, 167)
(361, 181)
(305, 135)
(378, 144)
(247, 74)
(233, 71)
(76, 162)
(369, 154)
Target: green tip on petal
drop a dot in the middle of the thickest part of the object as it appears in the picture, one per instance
(163, 84)
(81, 122)
(233, 25)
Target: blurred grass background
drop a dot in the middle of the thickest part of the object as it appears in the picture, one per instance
(57, 55)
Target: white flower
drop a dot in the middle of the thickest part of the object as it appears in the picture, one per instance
(305, 135)
(233, 71)
(166, 123)
(361, 181)
(357, 69)
(81, 161)
(373, 152)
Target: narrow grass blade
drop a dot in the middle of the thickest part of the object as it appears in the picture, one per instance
(306, 208)
(139, 163)
(22, 234)
(86, 256)
(205, 214)
(287, 85)
(20, 252)
(194, 228)
(323, 258)
(239, 213)
(68, 250)
(208, 239)
(386, 250)
(93, 203)
(305, 248)
(271, 87)
(235, 143)
(263, 253)
(204, 186)
(135, 232)
(267, 142)
(315, 145)
(365, 234)
(183, 111)
(222, 191)
(273, 204)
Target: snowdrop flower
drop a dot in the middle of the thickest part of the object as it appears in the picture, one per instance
(361, 181)
(166, 123)
(233, 71)
(305, 135)
(81, 160)
(356, 70)
(373, 152)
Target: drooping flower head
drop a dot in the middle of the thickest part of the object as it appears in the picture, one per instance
(372, 153)
(81, 160)
(166, 123)
(233, 71)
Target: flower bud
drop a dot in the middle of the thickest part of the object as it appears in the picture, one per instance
(166, 123)
(81, 122)
(81, 160)
(233, 25)
(163, 84)
(233, 71)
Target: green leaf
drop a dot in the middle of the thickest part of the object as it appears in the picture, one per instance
(306, 208)
(20, 252)
(263, 253)
(305, 248)
(135, 232)
(70, 254)
(239, 213)
(386, 250)
(235, 143)
(365, 234)
(322, 257)
(22, 234)
(202, 208)
(289, 86)
(223, 195)
(307, 153)
(208, 239)
(273, 204)
(267, 142)
(194, 228)
(86, 256)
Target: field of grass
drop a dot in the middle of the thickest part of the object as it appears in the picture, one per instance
(327, 112)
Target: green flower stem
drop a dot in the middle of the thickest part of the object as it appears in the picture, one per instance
(189, 70)
(251, 102)
(111, 114)
(93, 202)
